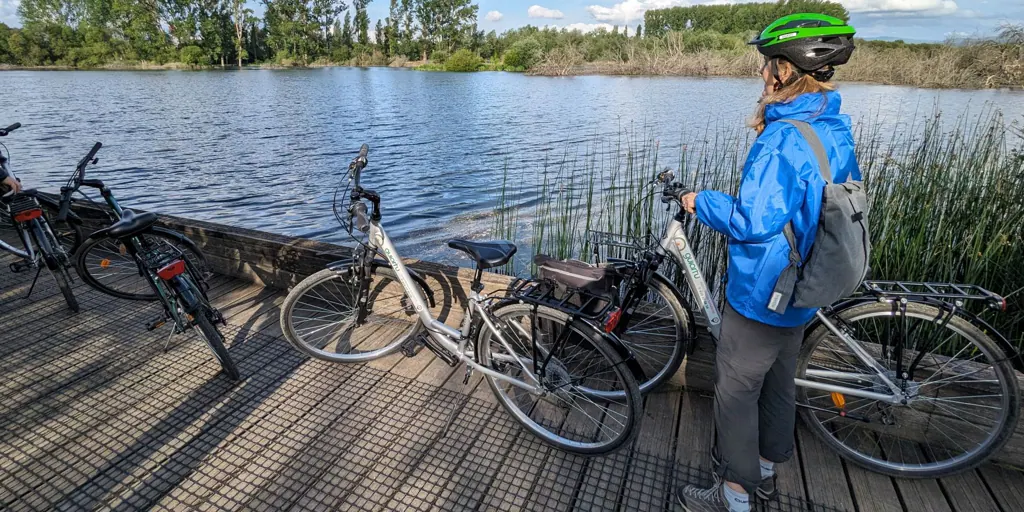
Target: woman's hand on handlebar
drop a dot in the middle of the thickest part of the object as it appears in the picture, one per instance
(689, 202)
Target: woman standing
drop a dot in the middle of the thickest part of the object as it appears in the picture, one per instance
(755, 396)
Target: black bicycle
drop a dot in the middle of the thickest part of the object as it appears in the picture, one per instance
(45, 247)
(175, 276)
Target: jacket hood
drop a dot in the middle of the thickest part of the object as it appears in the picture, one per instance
(804, 107)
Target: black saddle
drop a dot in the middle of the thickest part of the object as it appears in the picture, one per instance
(492, 253)
(130, 224)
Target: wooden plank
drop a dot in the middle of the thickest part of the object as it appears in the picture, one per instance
(693, 442)
(790, 475)
(967, 492)
(871, 491)
(823, 471)
(645, 489)
(919, 495)
(1007, 485)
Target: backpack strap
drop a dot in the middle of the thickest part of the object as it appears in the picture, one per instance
(784, 287)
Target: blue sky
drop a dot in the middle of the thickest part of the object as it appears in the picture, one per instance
(926, 20)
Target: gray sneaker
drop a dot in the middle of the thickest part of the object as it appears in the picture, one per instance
(766, 490)
(697, 499)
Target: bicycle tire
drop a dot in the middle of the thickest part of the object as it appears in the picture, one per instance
(640, 342)
(313, 335)
(98, 255)
(55, 265)
(917, 460)
(572, 433)
(215, 340)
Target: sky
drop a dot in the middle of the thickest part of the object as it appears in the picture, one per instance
(912, 20)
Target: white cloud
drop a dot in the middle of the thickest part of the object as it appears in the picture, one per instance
(630, 11)
(583, 27)
(901, 6)
(494, 16)
(9, 12)
(536, 11)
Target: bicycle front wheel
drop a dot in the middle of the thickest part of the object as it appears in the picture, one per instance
(962, 393)
(658, 333)
(56, 261)
(320, 316)
(589, 402)
(106, 264)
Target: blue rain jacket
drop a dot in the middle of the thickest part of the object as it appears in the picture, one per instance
(780, 183)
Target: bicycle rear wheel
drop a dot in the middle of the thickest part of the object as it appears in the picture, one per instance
(320, 316)
(106, 264)
(964, 397)
(591, 402)
(658, 333)
(215, 340)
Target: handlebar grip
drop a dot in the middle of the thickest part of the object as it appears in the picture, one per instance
(65, 203)
(12, 127)
(92, 154)
(363, 151)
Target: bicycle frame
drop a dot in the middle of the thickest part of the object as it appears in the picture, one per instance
(451, 339)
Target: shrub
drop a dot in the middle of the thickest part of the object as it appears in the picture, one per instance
(463, 60)
(524, 53)
(341, 55)
(194, 56)
(439, 56)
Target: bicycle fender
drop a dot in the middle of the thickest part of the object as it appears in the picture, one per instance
(627, 355)
(1012, 354)
(73, 218)
(341, 266)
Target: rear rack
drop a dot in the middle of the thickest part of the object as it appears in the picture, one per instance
(927, 290)
(572, 301)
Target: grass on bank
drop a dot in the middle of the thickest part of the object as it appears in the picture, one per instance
(946, 201)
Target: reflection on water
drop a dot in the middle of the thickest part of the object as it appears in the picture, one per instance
(265, 149)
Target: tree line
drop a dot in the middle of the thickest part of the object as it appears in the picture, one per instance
(734, 18)
(88, 33)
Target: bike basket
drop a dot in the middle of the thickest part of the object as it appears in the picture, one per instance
(606, 244)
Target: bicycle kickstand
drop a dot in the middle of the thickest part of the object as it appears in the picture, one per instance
(34, 280)
(456, 405)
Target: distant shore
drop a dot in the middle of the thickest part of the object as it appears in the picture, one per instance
(696, 68)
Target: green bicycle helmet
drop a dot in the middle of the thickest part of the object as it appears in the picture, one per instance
(814, 43)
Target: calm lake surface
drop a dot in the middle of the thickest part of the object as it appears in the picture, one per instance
(265, 149)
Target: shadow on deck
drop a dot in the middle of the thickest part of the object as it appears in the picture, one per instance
(96, 414)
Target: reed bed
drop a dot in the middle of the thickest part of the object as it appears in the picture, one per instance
(946, 199)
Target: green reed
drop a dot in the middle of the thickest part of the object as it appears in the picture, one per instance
(947, 201)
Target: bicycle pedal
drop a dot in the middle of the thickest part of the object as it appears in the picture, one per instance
(156, 324)
(20, 266)
(413, 345)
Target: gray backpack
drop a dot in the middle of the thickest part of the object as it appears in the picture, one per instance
(838, 261)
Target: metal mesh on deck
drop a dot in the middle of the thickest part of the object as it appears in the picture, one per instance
(96, 415)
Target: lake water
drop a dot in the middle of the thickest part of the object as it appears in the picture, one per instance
(265, 149)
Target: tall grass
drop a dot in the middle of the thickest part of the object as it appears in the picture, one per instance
(946, 199)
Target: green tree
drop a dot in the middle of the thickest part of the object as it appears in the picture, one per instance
(326, 12)
(346, 31)
(378, 36)
(241, 17)
(362, 22)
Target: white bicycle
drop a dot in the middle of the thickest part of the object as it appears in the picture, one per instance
(554, 371)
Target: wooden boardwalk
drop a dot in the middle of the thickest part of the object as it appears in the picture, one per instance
(96, 415)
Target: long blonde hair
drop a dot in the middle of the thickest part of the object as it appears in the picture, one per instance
(803, 85)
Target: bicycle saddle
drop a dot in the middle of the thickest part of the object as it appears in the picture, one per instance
(130, 224)
(488, 254)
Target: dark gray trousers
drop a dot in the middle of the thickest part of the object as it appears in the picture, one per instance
(755, 397)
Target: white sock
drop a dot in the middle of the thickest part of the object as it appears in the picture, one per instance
(737, 501)
(767, 469)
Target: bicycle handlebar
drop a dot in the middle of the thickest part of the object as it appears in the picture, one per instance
(9, 129)
(88, 158)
